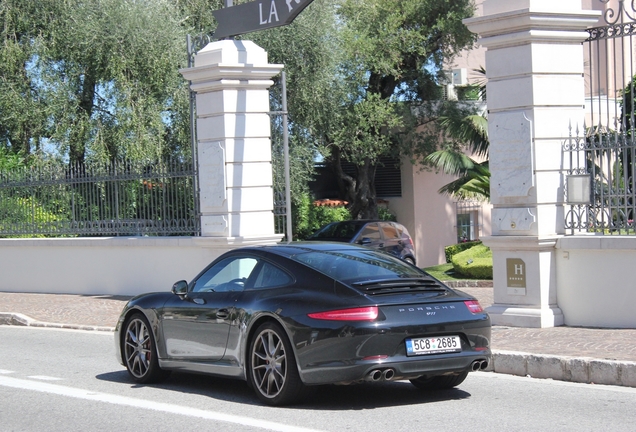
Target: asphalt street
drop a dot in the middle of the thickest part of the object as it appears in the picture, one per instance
(66, 380)
(586, 355)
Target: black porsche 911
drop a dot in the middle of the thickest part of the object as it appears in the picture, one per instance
(291, 316)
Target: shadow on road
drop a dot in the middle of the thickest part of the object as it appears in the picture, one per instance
(328, 397)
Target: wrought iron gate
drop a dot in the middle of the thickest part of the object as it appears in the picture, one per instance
(601, 186)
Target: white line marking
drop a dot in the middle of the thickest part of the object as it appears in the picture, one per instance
(44, 378)
(145, 404)
(4, 371)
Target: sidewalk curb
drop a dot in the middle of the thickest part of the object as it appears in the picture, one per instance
(561, 368)
(15, 319)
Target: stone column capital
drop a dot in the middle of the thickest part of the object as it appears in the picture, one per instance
(231, 64)
(526, 26)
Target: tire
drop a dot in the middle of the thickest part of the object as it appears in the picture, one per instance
(440, 382)
(139, 351)
(409, 260)
(272, 369)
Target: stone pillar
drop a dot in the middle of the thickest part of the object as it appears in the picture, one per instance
(231, 79)
(534, 65)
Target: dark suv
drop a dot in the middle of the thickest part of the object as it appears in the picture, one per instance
(388, 236)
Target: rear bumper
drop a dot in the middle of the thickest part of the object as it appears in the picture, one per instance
(399, 368)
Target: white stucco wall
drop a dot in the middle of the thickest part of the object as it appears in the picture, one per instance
(113, 266)
(429, 216)
(595, 282)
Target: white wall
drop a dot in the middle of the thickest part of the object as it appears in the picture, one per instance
(595, 283)
(429, 216)
(114, 266)
(595, 280)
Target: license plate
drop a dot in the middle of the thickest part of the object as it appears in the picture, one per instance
(433, 345)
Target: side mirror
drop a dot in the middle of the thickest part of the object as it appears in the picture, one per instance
(365, 241)
(180, 288)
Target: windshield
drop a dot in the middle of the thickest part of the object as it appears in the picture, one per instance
(358, 265)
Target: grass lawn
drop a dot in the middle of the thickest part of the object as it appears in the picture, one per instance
(443, 272)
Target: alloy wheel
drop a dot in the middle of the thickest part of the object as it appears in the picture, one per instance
(137, 348)
(269, 363)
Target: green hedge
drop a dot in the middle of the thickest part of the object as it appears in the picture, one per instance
(308, 218)
(474, 263)
(450, 251)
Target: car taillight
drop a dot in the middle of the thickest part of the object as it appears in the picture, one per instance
(354, 314)
(473, 306)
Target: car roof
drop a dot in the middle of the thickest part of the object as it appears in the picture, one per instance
(294, 248)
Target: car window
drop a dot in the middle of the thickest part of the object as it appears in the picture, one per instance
(389, 231)
(338, 230)
(358, 265)
(370, 231)
(229, 274)
(402, 231)
(271, 276)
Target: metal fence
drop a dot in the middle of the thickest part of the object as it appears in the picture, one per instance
(603, 164)
(53, 199)
(600, 184)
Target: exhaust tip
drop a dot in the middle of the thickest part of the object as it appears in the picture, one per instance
(479, 365)
(388, 374)
(375, 375)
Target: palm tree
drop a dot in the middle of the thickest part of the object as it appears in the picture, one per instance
(472, 133)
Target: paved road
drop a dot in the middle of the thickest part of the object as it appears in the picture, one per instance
(64, 380)
(609, 355)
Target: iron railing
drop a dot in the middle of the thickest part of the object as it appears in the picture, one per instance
(54, 199)
(607, 157)
(603, 152)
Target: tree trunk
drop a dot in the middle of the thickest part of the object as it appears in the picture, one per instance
(81, 130)
(365, 205)
(359, 192)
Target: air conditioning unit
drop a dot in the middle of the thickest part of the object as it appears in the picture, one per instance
(460, 77)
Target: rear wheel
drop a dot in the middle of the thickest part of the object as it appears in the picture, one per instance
(440, 382)
(272, 367)
(140, 351)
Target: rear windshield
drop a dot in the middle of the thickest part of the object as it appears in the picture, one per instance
(358, 265)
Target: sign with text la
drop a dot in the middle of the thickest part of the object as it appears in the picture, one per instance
(256, 15)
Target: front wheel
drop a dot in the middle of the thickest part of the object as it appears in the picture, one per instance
(440, 382)
(409, 260)
(272, 367)
(140, 351)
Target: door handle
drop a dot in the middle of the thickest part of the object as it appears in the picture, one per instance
(222, 314)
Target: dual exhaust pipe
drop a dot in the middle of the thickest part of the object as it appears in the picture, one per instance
(381, 375)
(479, 365)
(389, 373)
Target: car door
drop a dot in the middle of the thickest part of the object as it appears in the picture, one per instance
(265, 277)
(196, 327)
